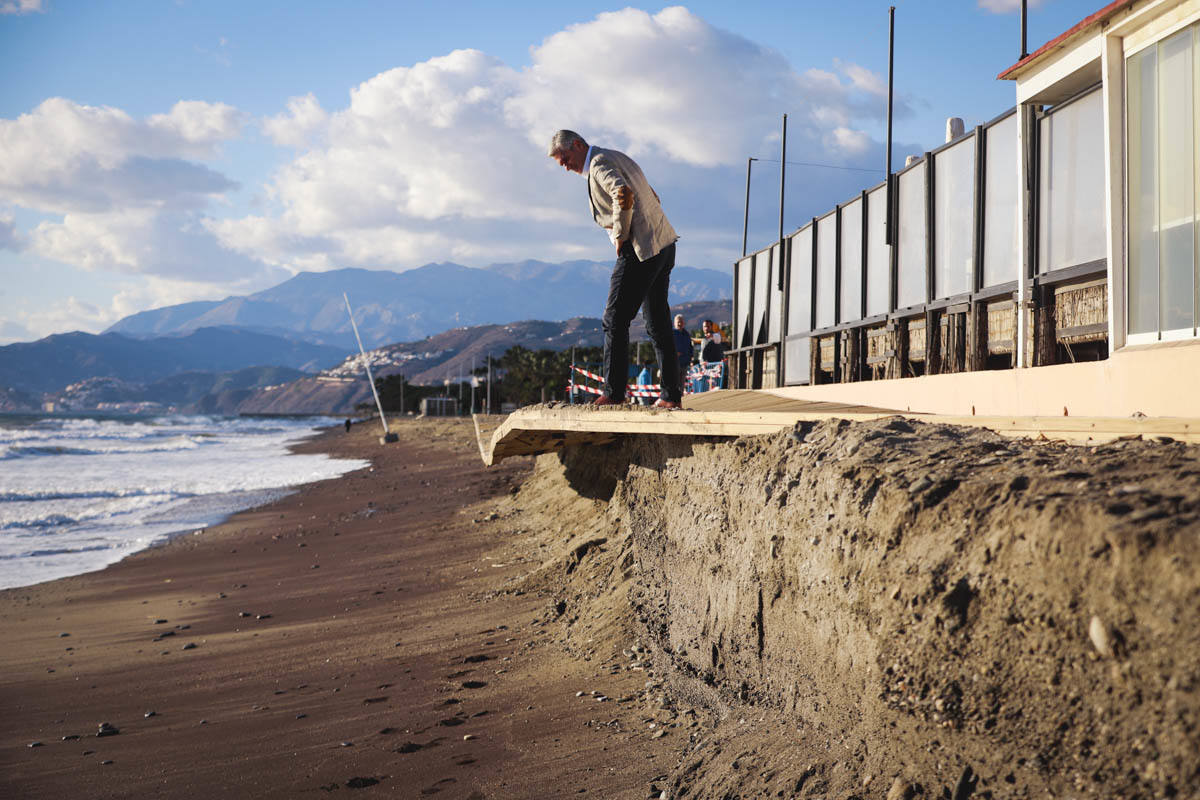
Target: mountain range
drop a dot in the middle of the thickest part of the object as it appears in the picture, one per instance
(407, 306)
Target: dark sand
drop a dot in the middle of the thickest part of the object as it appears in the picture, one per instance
(366, 634)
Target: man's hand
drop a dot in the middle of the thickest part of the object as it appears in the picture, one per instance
(618, 244)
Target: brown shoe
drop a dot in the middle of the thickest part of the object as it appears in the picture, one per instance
(667, 404)
(605, 400)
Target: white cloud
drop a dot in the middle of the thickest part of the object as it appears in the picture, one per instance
(1006, 6)
(131, 193)
(10, 237)
(21, 7)
(446, 158)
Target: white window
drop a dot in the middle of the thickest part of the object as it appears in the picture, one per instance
(1161, 93)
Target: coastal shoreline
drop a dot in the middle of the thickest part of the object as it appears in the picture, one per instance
(362, 631)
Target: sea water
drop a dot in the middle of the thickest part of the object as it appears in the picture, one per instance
(79, 493)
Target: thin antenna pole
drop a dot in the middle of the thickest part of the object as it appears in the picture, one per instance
(782, 173)
(1024, 29)
(367, 363)
(746, 215)
(489, 383)
(889, 238)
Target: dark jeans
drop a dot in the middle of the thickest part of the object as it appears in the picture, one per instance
(640, 283)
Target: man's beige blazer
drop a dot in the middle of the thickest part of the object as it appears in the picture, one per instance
(623, 202)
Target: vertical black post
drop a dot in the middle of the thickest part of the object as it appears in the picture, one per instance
(889, 237)
(746, 215)
(782, 173)
(1024, 29)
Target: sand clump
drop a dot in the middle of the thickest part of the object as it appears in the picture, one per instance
(890, 609)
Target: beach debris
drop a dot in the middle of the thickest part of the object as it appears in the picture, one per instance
(361, 783)
(107, 729)
(190, 646)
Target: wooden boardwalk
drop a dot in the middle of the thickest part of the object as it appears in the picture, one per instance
(733, 413)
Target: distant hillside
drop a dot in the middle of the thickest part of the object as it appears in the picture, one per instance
(50, 364)
(407, 306)
(447, 355)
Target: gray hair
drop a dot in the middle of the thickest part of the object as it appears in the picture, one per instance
(564, 140)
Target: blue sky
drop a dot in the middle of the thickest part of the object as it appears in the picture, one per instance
(155, 152)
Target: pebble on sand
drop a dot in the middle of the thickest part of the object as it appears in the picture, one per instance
(35, 744)
(1098, 633)
(107, 729)
(150, 714)
(468, 737)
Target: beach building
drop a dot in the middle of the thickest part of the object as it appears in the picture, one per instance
(1046, 262)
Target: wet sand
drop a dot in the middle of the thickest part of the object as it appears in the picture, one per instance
(362, 634)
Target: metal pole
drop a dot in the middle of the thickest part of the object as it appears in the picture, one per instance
(1024, 29)
(489, 383)
(367, 362)
(472, 384)
(571, 382)
(889, 238)
(782, 174)
(746, 216)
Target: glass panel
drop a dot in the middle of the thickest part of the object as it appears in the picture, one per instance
(954, 219)
(1071, 186)
(851, 300)
(762, 279)
(1143, 198)
(1175, 191)
(796, 363)
(826, 269)
(879, 254)
(1001, 205)
(774, 309)
(910, 198)
(744, 323)
(800, 283)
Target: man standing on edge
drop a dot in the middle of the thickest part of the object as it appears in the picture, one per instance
(623, 203)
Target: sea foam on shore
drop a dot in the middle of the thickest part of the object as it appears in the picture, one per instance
(77, 494)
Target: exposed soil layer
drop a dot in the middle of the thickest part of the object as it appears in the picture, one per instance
(893, 609)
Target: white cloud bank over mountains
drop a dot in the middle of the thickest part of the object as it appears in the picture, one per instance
(441, 160)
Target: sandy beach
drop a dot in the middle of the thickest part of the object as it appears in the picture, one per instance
(368, 632)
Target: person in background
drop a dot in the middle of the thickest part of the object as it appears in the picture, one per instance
(644, 378)
(710, 343)
(683, 346)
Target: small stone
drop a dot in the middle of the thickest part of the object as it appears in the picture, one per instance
(150, 714)
(244, 614)
(106, 762)
(1098, 633)
(361, 783)
(34, 744)
(263, 616)
(901, 790)
(107, 729)
(347, 744)
(63, 635)
(468, 737)
(579, 694)
(203, 722)
(71, 737)
(190, 646)
(160, 622)
(658, 734)
(301, 716)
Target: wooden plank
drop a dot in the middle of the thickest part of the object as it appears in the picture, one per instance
(541, 430)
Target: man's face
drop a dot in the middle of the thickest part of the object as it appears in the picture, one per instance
(572, 158)
(679, 323)
(706, 327)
